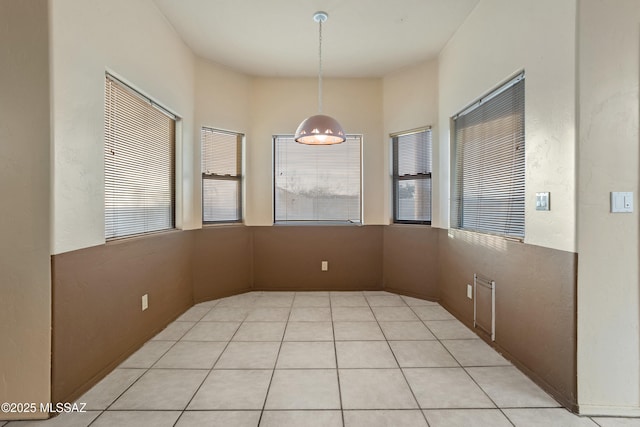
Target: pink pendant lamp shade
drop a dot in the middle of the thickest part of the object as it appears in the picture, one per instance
(320, 129)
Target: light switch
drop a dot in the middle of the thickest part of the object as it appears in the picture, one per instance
(621, 201)
(542, 202)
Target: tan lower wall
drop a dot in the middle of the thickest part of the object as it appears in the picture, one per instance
(97, 320)
(410, 261)
(535, 303)
(222, 262)
(289, 257)
(97, 315)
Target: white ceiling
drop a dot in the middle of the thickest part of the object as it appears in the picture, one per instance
(362, 38)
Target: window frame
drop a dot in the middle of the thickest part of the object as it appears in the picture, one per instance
(226, 177)
(311, 221)
(396, 178)
(108, 141)
(457, 182)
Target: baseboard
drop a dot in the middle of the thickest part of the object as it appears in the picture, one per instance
(313, 289)
(561, 398)
(609, 411)
(223, 295)
(410, 294)
(106, 370)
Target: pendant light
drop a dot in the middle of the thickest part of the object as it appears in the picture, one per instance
(320, 129)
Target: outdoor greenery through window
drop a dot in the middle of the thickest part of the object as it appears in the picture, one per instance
(221, 175)
(317, 183)
(412, 176)
(139, 161)
(489, 164)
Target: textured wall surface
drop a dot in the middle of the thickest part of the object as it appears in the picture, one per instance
(25, 299)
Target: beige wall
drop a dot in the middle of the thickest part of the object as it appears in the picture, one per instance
(222, 101)
(144, 51)
(410, 100)
(499, 39)
(278, 105)
(476, 59)
(25, 304)
(608, 298)
(202, 93)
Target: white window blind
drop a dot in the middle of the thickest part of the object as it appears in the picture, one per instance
(317, 183)
(412, 177)
(139, 163)
(489, 164)
(221, 175)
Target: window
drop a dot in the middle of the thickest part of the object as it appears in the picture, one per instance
(412, 177)
(139, 163)
(488, 164)
(317, 183)
(221, 175)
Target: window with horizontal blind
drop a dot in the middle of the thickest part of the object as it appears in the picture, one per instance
(221, 175)
(412, 176)
(317, 183)
(139, 163)
(488, 164)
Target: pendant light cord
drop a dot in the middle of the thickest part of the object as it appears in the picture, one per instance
(320, 68)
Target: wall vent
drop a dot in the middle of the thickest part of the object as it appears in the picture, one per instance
(484, 305)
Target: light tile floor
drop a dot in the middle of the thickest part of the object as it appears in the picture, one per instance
(318, 359)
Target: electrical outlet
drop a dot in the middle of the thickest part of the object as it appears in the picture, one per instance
(145, 302)
(469, 291)
(325, 266)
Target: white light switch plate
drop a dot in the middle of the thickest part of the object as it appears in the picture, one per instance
(145, 302)
(542, 202)
(621, 201)
(469, 292)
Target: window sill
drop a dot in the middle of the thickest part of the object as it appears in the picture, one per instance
(480, 234)
(317, 223)
(123, 239)
(221, 224)
(409, 225)
(418, 223)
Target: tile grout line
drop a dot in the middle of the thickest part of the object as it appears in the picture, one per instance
(212, 366)
(398, 363)
(487, 394)
(487, 366)
(463, 368)
(152, 367)
(275, 363)
(146, 370)
(335, 354)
